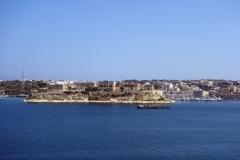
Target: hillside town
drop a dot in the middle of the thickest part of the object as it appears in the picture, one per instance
(172, 89)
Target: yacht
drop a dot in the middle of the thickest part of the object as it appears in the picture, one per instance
(219, 99)
(205, 99)
(187, 99)
(212, 99)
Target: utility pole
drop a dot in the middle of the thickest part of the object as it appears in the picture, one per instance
(22, 84)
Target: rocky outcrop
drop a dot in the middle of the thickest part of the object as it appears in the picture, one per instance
(98, 97)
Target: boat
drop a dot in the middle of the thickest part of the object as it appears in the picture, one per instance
(211, 99)
(22, 96)
(197, 99)
(192, 99)
(150, 107)
(205, 99)
(0, 98)
(219, 99)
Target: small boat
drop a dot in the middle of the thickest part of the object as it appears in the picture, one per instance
(22, 96)
(0, 98)
(219, 99)
(150, 107)
(205, 99)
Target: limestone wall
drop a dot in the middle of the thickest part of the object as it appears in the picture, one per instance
(97, 96)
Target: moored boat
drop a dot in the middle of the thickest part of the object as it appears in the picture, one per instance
(219, 99)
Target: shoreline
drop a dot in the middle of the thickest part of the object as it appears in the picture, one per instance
(87, 101)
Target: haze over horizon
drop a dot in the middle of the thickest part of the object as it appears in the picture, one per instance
(117, 40)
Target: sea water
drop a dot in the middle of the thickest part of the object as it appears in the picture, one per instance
(187, 130)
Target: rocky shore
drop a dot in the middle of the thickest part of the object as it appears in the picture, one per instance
(99, 97)
(87, 101)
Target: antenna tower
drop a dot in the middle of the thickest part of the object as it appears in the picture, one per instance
(22, 84)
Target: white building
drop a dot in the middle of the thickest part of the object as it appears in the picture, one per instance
(206, 82)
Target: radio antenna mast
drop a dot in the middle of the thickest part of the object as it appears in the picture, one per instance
(22, 84)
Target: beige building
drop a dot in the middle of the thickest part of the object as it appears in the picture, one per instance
(147, 86)
(212, 93)
(206, 82)
(83, 85)
(129, 86)
(59, 87)
(107, 85)
(200, 93)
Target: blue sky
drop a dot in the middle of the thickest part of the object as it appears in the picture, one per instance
(120, 39)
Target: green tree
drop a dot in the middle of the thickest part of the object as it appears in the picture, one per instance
(68, 92)
(95, 89)
(122, 88)
(88, 89)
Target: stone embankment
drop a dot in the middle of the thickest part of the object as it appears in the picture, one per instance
(98, 97)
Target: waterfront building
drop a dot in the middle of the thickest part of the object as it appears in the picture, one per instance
(147, 86)
(59, 87)
(83, 85)
(163, 85)
(106, 85)
(193, 88)
(212, 93)
(206, 82)
(233, 88)
(200, 93)
(129, 86)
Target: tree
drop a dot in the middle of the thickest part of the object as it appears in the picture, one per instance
(95, 89)
(68, 92)
(108, 89)
(122, 88)
(88, 89)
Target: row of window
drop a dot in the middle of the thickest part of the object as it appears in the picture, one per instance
(105, 86)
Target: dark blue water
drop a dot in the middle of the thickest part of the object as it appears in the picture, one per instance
(188, 130)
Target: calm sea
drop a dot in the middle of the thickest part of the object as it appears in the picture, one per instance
(188, 130)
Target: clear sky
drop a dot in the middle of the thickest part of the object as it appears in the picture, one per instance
(120, 39)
